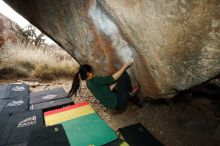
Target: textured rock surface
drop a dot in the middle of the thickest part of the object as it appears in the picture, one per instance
(9, 31)
(175, 43)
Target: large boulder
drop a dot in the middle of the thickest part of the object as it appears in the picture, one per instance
(175, 43)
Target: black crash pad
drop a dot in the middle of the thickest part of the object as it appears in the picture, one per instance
(47, 95)
(15, 105)
(22, 124)
(5, 127)
(19, 90)
(2, 104)
(137, 135)
(49, 136)
(18, 99)
(52, 104)
(4, 91)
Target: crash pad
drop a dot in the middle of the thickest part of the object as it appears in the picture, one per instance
(4, 91)
(22, 124)
(5, 128)
(118, 142)
(2, 104)
(47, 95)
(18, 99)
(53, 104)
(67, 113)
(19, 90)
(88, 130)
(49, 136)
(138, 135)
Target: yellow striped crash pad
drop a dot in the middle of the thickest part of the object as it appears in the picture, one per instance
(118, 142)
(124, 144)
(67, 113)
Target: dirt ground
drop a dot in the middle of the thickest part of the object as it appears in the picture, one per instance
(183, 121)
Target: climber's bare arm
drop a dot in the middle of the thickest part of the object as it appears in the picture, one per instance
(112, 86)
(118, 73)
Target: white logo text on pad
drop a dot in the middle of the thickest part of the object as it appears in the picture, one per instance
(28, 122)
(50, 96)
(18, 88)
(15, 103)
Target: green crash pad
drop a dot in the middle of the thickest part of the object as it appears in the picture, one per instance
(89, 130)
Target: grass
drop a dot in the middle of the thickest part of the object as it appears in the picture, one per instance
(27, 61)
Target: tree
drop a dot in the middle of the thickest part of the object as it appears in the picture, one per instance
(33, 35)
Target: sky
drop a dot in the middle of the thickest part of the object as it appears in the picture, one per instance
(17, 18)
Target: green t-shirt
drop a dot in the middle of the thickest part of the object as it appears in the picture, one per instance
(99, 86)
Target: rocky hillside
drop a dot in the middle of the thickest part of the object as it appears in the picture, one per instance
(10, 32)
(20, 58)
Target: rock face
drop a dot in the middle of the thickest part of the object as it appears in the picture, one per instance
(9, 31)
(175, 43)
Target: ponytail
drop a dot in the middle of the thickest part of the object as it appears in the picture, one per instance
(75, 85)
(81, 74)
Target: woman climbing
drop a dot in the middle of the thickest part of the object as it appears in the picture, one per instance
(112, 91)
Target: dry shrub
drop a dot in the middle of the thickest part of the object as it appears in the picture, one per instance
(13, 72)
(36, 62)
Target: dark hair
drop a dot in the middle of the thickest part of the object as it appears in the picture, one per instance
(82, 73)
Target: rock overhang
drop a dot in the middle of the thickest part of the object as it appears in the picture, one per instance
(175, 44)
